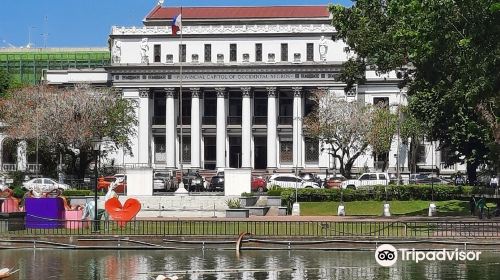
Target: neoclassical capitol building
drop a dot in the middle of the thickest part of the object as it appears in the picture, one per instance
(231, 88)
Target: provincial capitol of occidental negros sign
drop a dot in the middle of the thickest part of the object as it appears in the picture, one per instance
(232, 77)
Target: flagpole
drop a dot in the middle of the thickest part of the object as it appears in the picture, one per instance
(181, 190)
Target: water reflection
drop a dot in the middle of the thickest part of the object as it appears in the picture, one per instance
(218, 264)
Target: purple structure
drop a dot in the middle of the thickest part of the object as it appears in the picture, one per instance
(44, 212)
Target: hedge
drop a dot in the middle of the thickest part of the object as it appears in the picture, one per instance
(78, 193)
(403, 192)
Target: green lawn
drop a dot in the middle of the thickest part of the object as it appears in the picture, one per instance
(374, 208)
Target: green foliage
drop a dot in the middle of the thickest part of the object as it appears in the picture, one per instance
(17, 177)
(402, 192)
(233, 203)
(5, 82)
(245, 194)
(18, 192)
(274, 190)
(78, 193)
(447, 55)
(382, 130)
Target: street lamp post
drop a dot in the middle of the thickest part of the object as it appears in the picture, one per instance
(96, 143)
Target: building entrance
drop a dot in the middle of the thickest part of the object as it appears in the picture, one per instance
(235, 151)
(260, 154)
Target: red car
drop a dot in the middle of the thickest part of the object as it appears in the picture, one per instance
(104, 182)
(259, 184)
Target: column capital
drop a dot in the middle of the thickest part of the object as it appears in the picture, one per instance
(297, 91)
(144, 92)
(323, 89)
(195, 92)
(221, 91)
(271, 91)
(246, 91)
(169, 92)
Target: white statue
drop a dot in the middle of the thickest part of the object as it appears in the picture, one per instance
(144, 50)
(323, 49)
(116, 52)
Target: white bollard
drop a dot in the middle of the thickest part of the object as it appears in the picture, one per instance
(296, 209)
(432, 209)
(387, 210)
(341, 210)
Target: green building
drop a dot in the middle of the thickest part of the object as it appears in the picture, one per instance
(26, 65)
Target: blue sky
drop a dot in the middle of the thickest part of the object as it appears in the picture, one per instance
(86, 23)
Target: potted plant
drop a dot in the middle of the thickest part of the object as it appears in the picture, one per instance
(235, 210)
(274, 196)
(247, 199)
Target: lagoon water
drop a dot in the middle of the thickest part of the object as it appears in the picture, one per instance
(224, 264)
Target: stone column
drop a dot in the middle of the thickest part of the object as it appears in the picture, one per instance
(144, 127)
(246, 128)
(170, 127)
(195, 128)
(221, 128)
(297, 127)
(271, 128)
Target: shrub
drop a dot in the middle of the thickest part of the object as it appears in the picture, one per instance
(274, 190)
(78, 193)
(233, 203)
(18, 192)
(402, 192)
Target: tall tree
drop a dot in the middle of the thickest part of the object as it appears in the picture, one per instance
(343, 128)
(67, 120)
(382, 130)
(448, 52)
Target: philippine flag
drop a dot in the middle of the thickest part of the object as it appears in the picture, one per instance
(176, 24)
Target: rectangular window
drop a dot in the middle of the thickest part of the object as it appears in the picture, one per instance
(186, 149)
(157, 53)
(286, 151)
(258, 52)
(383, 102)
(284, 52)
(160, 149)
(182, 53)
(232, 52)
(310, 52)
(312, 150)
(208, 53)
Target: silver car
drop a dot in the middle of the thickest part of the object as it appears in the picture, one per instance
(44, 185)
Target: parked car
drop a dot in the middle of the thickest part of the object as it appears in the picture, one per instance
(310, 177)
(104, 182)
(217, 182)
(44, 185)
(258, 184)
(164, 181)
(424, 178)
(366, 180)
(193, 181)
(334, 181)
(290, 181)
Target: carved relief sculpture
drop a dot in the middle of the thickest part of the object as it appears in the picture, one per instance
(116, 52)
(144, 50)
(323, 49)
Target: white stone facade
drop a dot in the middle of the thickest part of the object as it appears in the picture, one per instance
(244, 87)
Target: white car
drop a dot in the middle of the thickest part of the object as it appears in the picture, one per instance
(290, 181)
(43, 185)
(366, 180)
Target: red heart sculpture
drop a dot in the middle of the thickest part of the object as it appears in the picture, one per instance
(125, 213)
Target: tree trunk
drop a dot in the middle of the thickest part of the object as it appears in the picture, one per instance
(472, 172)
(83, 163)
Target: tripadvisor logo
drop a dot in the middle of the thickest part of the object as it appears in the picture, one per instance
(387, 255)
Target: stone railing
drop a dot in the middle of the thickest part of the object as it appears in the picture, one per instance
(226, 29)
